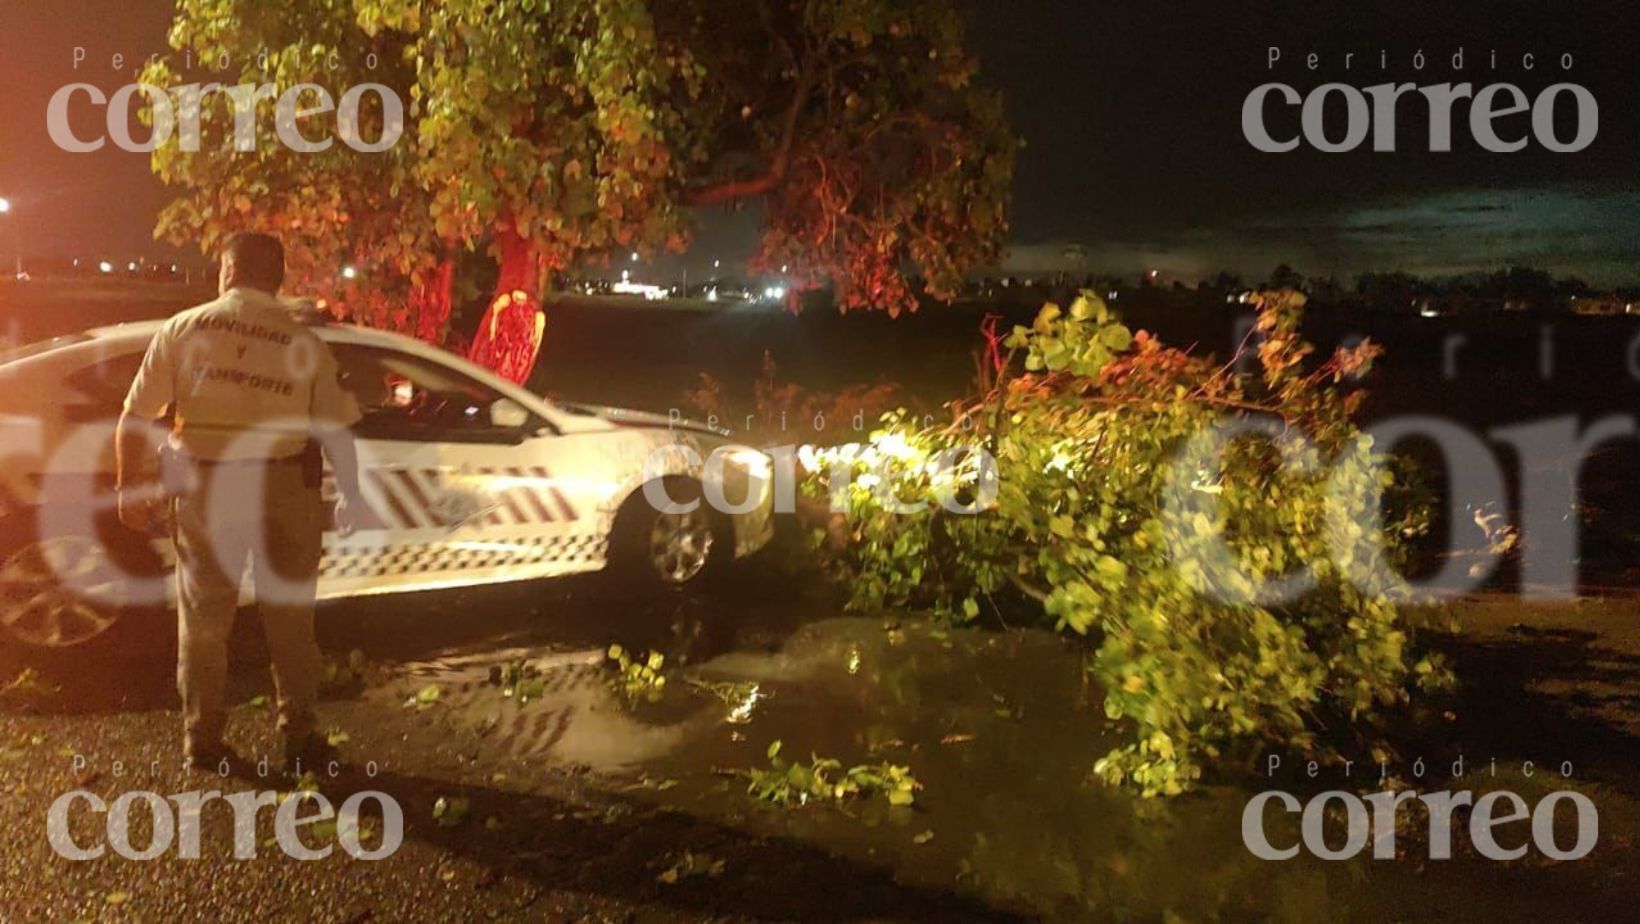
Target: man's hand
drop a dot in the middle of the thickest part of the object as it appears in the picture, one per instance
(136, 511)
(351, 510)
(348, 515)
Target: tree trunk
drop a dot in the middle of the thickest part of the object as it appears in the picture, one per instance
(509, 337)
(431, 301)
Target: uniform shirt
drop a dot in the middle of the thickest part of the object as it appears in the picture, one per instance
(244, 378)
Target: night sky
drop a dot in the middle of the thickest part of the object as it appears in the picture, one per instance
(1131, 113)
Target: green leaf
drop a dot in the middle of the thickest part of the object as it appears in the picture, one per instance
(449, 812)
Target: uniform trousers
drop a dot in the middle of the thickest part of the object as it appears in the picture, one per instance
(266, 512)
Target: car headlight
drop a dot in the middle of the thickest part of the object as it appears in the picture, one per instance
(756, 463)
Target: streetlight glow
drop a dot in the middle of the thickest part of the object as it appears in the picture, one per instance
(16, 236)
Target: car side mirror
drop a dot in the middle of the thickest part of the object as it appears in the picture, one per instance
(508, 414)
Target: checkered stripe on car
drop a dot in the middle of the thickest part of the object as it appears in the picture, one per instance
(409, 498)
(423, 558)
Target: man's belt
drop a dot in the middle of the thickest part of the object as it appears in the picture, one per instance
(179, 472)
(243, 463)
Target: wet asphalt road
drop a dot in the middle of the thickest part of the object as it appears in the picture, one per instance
(566, 799)
(544, 835)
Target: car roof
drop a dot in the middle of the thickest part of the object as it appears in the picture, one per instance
(137, 334)
(143, 331)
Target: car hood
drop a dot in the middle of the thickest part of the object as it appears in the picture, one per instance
(626, 417)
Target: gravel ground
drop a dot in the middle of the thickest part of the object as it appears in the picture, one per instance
(558, 852)
(549, 840)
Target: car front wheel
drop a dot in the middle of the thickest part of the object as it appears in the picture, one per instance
(64, 596)
(667, 548)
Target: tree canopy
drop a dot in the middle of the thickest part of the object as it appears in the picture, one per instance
(550, 133)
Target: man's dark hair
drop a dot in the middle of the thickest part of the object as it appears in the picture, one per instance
(258, 258)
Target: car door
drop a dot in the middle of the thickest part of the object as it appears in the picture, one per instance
(458, 479)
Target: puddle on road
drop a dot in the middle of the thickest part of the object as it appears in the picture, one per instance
(1001, 730)
(563, 712)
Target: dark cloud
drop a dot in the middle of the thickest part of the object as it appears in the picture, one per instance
(1131, 112)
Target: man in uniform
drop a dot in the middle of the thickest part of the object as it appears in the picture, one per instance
(253, 395)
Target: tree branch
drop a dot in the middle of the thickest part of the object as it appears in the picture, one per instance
(774, 34)
(732, 190)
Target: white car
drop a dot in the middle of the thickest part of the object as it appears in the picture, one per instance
(470, 479)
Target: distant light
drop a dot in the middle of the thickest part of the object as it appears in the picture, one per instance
(349, 272)
(774, 293)
(716, 264)
(76, 262)
(650, 293)
(634, 256)
(5, 205)
(131, 266)
(105, 266)
(1152, 274)
(173, 268)
(783, 267)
